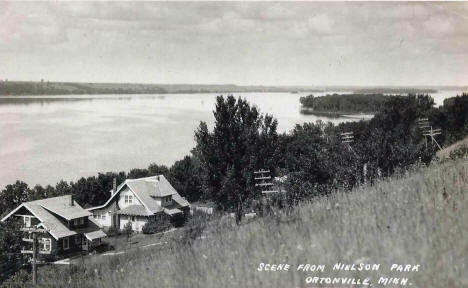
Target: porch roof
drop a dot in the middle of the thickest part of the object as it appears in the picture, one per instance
(95, 235)
(171, 212)
(134, 210)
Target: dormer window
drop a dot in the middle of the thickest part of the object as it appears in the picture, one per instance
(167, 200)
(128, 199)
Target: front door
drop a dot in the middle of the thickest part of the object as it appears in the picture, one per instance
(85, 244)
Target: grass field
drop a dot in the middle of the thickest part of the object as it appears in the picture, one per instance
(420, 217)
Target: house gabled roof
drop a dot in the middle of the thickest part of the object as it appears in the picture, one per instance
(146, 189)
(43, 210)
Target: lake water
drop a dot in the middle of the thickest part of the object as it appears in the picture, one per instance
(47, 138)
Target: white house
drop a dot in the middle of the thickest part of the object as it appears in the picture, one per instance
(137, 200)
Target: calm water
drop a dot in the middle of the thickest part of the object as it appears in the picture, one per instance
(45, 139)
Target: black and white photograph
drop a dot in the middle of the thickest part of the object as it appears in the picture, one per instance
(233, 144)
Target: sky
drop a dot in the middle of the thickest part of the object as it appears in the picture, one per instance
(244, 43)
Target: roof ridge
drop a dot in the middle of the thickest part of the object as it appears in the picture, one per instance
(144, 178)
(50, 198)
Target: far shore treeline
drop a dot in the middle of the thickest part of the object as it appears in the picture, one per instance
(45, 87)
(315, 162)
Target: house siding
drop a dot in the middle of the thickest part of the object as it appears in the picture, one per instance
(107, 211)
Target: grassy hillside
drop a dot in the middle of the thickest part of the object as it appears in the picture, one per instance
(454, 149)
(419, 217)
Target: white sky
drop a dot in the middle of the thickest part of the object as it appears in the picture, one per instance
(344, 43)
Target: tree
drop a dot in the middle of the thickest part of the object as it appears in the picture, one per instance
(13, 195)
(186, 177)
(128, 230)
(242, 141)
(10, 247)
(155, 169)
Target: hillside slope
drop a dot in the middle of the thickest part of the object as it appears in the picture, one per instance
(419, 217)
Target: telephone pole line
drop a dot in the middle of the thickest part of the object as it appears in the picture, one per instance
(347, 138)
(427, 130)
(263, 181)
(34, 231)
(432, 133)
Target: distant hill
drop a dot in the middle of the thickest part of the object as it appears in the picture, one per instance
(69, 88)
(12, 88)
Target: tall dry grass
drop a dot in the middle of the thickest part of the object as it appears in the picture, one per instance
(419, 217)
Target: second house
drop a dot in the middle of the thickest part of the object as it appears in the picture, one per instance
(138, 200)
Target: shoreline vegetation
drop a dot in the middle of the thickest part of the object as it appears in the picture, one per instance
(43, 87)
(337, 105)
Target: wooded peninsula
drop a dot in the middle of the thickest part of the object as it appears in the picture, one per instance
(338, 104)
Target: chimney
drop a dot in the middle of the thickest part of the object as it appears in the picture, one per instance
(114, 186)
(71, 200)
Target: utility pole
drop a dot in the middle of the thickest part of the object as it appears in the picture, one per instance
(347, 138)
(427, 130)
(423, 125)
(34, 231)
(434, 132)
(263, 180)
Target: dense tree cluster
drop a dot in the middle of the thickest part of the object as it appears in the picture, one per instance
(242, 141)
(365, 103)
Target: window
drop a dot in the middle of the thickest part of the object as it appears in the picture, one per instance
(77, 239)
(128, 199)
(81, 221)
(75, 222)
(167, 200)
(27, 221)
(45, 245)
(66, 243)
(98, 215)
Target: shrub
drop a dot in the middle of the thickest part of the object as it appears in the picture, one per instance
(128, 229)
(17, 280)
(459, 153)
(156, 225)
(195, 226)
(113, 231)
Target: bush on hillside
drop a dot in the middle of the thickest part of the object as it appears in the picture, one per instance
(156, 225)
(459, 153)
(195, 226)
(113, 231)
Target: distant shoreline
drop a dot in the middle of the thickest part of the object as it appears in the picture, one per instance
(334, 114)
(42, 88)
